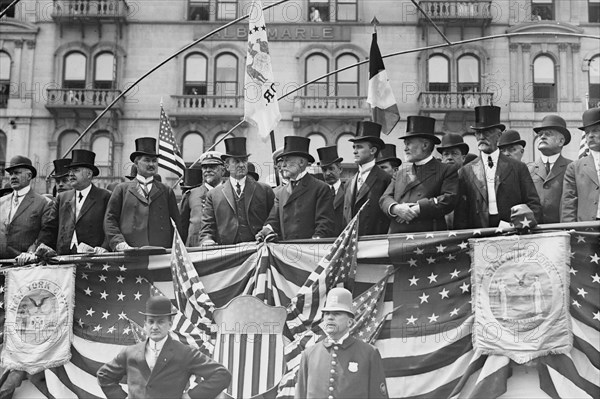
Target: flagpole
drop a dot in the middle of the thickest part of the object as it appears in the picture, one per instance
(274, 148)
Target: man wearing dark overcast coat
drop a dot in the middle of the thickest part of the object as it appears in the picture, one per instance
(330, 163)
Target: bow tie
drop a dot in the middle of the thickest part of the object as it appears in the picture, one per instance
(328, 342)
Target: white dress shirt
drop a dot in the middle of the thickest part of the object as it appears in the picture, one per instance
(234, 183)
(336, 186)
(490, 178)
(363, 173)
(552, 159)
(153, 349)
(78, 205)
(15, 201)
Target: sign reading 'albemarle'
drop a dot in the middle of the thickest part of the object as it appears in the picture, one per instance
(38, 329)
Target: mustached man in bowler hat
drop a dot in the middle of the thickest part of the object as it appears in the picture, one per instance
(340, 366)
(161, 367)
(62, 182)
(511, 144)
(331, 165)
(139, 211)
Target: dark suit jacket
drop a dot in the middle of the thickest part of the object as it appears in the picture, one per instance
(140, 222)
(434, 187)
(29, 227)
(580, 191)
(89, 225)
(192, 207)
(513, 186)
(549, 187)
(372, 220)
(219, 219)
(338, 210)
(306, 212)
(174, 366)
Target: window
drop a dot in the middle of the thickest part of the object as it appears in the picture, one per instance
(226, 74)
(195, 75)
(4, 79)
(316, 141)
(594, 10)
(226, 10)
(346, 10)
(344, 146)
(439, 73)
(102, 147)
(104, 71)
(2, 151)
(199, 11)
(468, 74)
(347, 81)
(542, 10)
(192, 146)
(544, 87)
(74, 71)
(65, 141)
(594, 80)
(316, 65)
(318, 11)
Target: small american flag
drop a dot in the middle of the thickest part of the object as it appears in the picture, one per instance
(169, 155)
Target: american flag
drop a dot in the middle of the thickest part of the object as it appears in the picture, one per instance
(169, 155)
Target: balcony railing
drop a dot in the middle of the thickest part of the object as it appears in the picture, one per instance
(449, 101)
(208, 102)
(81, 98)
(331, 103)
(90, 9)
(457, 10)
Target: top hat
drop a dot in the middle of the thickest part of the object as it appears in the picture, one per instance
(421, 126)
(252, 171)
(487, 117)
(86, 159)
(338, 300)
(510, 137)
(389, 154)
(453, 140)
(211, 158)
(60, 167)
(328, 155)
(590, 118)
(296, 145)
(19, 161)
(368, 131)
(235, 147)
(144, 146)
(277, 155)
(557, 123)
(192, 177)
(158, 306)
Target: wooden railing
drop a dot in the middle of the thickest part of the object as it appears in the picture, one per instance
(81, 98)
(449, 101)
(90, 9)
(457, 9)
(191, 102)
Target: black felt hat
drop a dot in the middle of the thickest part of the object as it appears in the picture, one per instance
(328, 155)
(421, 126)
(235, 147)
(368, 131)
(86, 159)
(453, 140)
(61, 167)
(158, 306)
(487, 117)
(144, 146)
(19, 161)
(388, 154)
(296, 145)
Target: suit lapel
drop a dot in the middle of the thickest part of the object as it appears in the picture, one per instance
(133, 189)
(141, 360)
(558, 168)
(229, 194)
(88, 204)
(339, 197)
(479, 174)
(28, 200)
(249, 189)
(156, 191)
(427, 171)
(588, 168)
(540, 169)
(165, 356)
(300, 189)
(366, 187)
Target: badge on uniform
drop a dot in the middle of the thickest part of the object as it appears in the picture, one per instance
(353, 367)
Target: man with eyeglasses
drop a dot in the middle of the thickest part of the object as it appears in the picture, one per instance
(491, 185)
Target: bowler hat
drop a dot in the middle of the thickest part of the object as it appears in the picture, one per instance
(211, 158)
(328, 155)
(421, 126)
(19, 161)
(388, 154)
(368, 131)
(453, 140)
(252, 171)
(590, 117)
(132, 172)
(296, 145)
(487, 117)
(557, 123)
(144, 146)
(158, 306)
(191, 178)
(61, 167)
(235, 147)
(510, 137)
(339, 300)
(86, 159)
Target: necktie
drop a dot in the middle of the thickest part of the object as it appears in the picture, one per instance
(80, 196)
(144, 187)
(332, 190)
(238, 189)
(359, 182)
(548, 167)
(154, 355)
(294, 183)
(490, 162)
(13, 206)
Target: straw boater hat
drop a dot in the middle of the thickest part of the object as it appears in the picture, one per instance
(339, 300)
(235, 147)
(328, 155)
(191, 178)
(487, 117)
(296, 145)
(61, 167)
(144, 146)
(453, 140)
(421, 126)
(368, 131)
(590, 117)
(86, 159)
(557, 123)
(510, 137)
(20, 161)
(388, 154)
(158, 306)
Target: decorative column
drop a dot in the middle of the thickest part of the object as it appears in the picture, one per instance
(18, 63)
(526, 88)
(574, 88)
(515, 72)
(31, 51)
(561, 72)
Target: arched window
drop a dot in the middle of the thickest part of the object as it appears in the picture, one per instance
(438, 72)
(347, 81)
(316, 141)
(594, 82)
(544, 84)
(102, 147)
(65, 141)
(2, 152)
(192, 146)
(226, 75)
(104, 71)
(344, 146)
(221, 146)
(468, 74)
(316, 65)
(4, 79)
(195, 75)
(74, 71)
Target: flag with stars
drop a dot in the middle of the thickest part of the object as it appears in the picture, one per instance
(169, 155)
(369, 311)
(261, 108)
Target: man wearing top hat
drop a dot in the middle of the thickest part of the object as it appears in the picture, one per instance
(548, 171)
(387, 159)
(422, 193)
(236, 210)
(62, 182)
(340, 366)
(78, 214)
(581, 186)
(24, 214)
(511, 144)
(331, 165)
(304, 207)
(453, 149)
(491, 185)
(193, 209)
(369, 183)
(160, 367)
(139, 212)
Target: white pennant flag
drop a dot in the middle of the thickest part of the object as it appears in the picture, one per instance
(260, 92)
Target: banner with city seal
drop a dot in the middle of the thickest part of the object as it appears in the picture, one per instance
(38, 329)
(520, 295)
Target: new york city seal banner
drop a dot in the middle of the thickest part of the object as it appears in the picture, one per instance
(38, 328)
